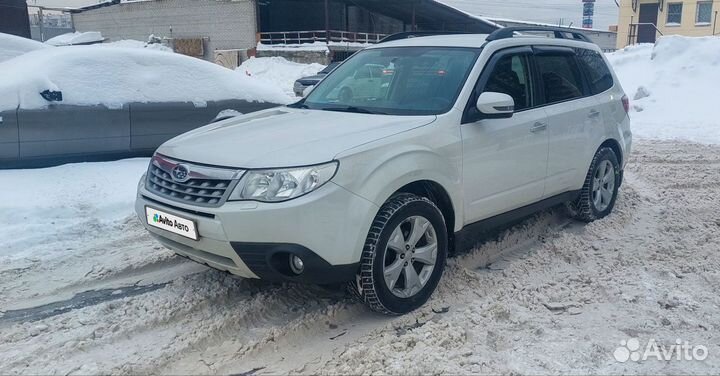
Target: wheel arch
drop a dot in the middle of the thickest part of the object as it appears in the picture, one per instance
(615, 146)
(436, 193)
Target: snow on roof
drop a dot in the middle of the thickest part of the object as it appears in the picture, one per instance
(12, 46)
(475, 16)
(70, 39)
(533, 23)
(112, 76)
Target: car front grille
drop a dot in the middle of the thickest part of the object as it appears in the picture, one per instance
(189, 183)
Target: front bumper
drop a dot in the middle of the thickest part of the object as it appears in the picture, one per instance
(326, 228)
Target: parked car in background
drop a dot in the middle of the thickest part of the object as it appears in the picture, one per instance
(81, 103)
(306, 82)
(468, 132)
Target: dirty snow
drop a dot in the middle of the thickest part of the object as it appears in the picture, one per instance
(85, 290)
(672, 87)
(111, 76)
(12, 46)
(278, 72)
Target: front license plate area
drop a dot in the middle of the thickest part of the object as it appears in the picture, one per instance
(169, 222)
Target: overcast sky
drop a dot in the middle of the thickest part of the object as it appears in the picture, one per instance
(547, 11)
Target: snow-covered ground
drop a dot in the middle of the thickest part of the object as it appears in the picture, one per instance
(85, 290)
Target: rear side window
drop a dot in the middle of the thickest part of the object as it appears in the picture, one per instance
(560, 77)
(598, 73)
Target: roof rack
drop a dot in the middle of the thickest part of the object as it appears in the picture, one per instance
(560, 33)
(417, 34)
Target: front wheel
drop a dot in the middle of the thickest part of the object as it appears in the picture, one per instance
(598, 194)
(404, 255)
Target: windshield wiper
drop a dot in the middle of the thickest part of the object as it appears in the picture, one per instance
(357, 110)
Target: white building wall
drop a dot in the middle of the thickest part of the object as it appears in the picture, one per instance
(226, 24)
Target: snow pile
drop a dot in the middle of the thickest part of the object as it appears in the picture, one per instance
(77, 37)
(278, 72)
(672, 87)
(12, 46)
(131, 43)
(111, 76)
(46, 202)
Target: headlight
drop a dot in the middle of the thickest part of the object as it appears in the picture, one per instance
(282, 184)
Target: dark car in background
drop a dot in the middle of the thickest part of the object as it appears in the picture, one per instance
(306, 82)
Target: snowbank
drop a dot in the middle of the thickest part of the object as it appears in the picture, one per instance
(12, 46)
(77, 37)
(111, 76)
(46, 202)
(278, 72)
(672, 87)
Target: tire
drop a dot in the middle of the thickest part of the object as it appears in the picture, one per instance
(397, 218)
(587, 207)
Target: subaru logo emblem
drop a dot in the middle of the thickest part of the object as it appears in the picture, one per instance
(181, 173)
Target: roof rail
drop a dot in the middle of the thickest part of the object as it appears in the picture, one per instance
(417, 34)
(560, 33)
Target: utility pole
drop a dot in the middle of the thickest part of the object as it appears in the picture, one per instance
(40, 23)
(327, 21)
(715, 22)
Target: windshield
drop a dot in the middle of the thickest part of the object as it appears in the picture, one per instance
(395, 81)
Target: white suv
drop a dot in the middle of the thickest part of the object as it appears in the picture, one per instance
(373, 183)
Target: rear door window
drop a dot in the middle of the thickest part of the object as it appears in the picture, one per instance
(559, 76)
(599, 76)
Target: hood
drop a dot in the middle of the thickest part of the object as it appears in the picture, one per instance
(284, 137)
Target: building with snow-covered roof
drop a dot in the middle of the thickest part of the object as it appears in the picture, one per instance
(217, 27)
(606, 39)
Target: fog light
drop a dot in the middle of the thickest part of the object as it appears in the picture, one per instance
(296, 264)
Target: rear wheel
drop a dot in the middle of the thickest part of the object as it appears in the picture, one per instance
(598, 194)
(404, 255)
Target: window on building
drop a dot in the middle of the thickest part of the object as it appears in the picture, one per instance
(674, 14)
(704, 12)
(560, 77)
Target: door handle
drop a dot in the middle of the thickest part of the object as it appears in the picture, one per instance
(538, 127)
(593, 114)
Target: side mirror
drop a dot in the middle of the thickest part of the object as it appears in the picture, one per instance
(308, 90)
(495, 105)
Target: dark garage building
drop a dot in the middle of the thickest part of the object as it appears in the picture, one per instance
(14, 18)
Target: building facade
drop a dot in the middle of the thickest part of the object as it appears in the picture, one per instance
(643, 21)
(215, 25)
(228, 31)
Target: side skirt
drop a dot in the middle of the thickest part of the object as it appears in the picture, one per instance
(473, 233)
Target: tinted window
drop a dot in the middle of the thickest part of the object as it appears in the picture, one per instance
(598, 72)
(511, 76)
(560, 77)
